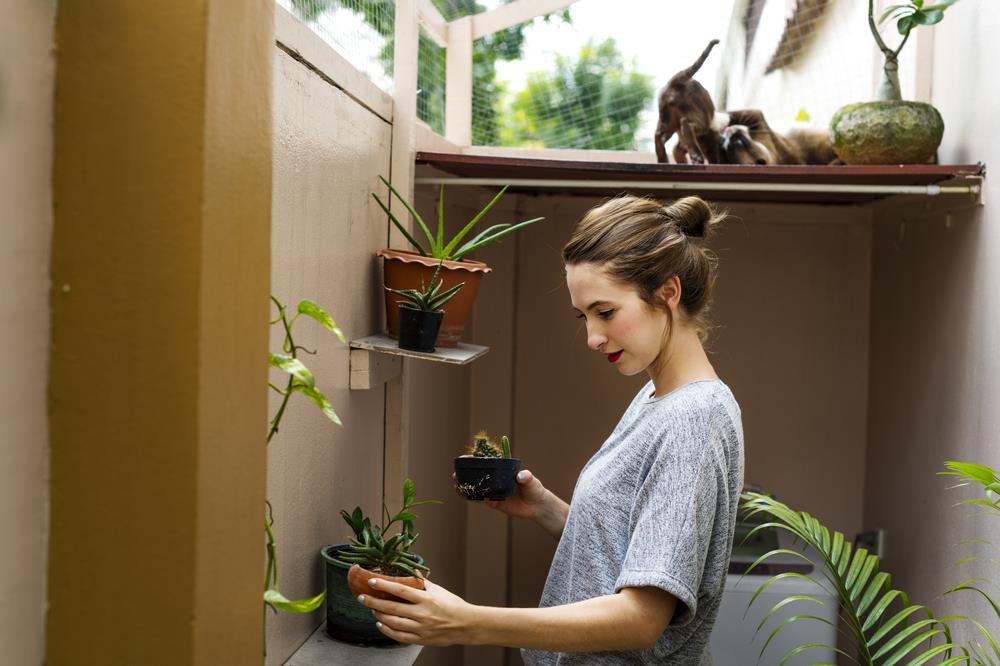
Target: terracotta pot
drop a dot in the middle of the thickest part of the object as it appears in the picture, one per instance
(405, 270)
(357, 581)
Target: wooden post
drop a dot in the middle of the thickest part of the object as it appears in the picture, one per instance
(458, 86)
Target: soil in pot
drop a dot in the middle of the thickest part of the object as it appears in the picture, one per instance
(405, 270)
(346, 619)
(418, 329)
(486, 478)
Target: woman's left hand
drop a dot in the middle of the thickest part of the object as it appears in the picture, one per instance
(433, 616)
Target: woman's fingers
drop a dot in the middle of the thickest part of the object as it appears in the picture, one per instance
(398, 623)
(404, 592)
(385, 606)
(401, 636)
(524, 476)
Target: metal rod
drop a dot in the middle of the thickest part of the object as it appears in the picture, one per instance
(928, 190)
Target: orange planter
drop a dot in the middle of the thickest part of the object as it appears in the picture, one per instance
(405, 270)
(358, 577)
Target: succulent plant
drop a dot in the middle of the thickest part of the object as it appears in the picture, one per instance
(484, 447)
(427, 298)
(373, 549)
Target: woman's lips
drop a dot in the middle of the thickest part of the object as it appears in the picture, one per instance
(613, 358)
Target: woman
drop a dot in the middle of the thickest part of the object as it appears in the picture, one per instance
(643, 549)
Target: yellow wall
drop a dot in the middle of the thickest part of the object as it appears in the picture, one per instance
(161, 247)
(27, 72)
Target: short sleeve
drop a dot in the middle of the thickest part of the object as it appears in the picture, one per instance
(673, 518)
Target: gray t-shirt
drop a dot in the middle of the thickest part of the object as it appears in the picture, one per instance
(655, 506)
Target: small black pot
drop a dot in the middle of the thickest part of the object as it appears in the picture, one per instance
(346, 619)
(486, 478)
(418, 329)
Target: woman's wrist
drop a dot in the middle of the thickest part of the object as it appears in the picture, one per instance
(552, 515)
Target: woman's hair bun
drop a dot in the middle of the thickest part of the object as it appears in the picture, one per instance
(692, 215)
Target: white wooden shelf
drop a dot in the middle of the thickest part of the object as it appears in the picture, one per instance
(321, 650)
(377, 359)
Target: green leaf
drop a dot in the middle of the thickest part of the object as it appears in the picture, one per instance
(278, 601)
(497, 236)
(440, 236)
(416, 216)
(891, 9)
(904, 25)
(311, 309)
(400, 227)
(317, 397)
(928, 16)
(446, 252)
(294, 367)
(440, 301)
(409, 492)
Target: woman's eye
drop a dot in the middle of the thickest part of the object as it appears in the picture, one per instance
(606, 314)
(580, 316)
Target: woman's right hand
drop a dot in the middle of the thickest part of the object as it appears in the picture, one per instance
(528, 500)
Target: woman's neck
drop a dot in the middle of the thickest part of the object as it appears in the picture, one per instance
(683, 361)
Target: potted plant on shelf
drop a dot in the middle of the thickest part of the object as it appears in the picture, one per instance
(371, 553)
(421, 312)
(487, 471)
(891, 130)
(405, 270)
(884, 627)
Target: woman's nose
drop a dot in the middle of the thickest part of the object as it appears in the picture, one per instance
(595, 339)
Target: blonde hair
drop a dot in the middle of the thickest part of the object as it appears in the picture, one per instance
(640, 242)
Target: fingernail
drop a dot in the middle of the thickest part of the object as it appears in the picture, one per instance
(378, 624)
(373, 581)
(361, 598)
(521, 476)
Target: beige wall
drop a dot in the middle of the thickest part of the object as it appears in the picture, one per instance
(332, 140)
(26, 87)
(935, 372)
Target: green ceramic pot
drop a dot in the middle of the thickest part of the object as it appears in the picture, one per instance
(890, 132)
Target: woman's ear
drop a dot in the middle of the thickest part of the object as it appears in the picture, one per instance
(670, 292)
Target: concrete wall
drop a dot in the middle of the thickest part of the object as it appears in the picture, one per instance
(26, 87)
(935, 370)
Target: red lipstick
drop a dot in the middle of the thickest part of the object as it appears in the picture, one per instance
(613, 358)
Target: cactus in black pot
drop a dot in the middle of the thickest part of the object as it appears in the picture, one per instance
(487, 471)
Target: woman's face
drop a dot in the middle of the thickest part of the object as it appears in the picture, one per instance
(620, 325)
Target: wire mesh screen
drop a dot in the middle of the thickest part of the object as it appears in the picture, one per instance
(791, 59)
(359, 30)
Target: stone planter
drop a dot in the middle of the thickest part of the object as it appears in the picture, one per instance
(888, 132)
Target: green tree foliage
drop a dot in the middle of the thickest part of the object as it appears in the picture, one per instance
(591, 102)
(486, 91)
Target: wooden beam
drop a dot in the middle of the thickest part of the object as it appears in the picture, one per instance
(458, 83)
(432, 22)
(517, 12)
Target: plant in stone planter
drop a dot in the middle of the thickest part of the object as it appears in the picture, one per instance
(487, 471)
(371, 553)
(405, 270)
(891, 130)
(882, 626)
(421, 312)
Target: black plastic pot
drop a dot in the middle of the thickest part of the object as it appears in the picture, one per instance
(346, 619)
(418, 329)
(486, 478)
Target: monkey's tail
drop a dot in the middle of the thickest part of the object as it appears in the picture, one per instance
(690, 71)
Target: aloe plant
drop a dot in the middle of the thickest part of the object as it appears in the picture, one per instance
(373, 549)
(879, 636)
(436, 245)
(427, 298)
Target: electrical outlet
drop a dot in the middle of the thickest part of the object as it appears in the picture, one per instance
(873, 541)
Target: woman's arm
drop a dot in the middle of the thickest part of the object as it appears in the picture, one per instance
(633, 619)
(535, 502)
